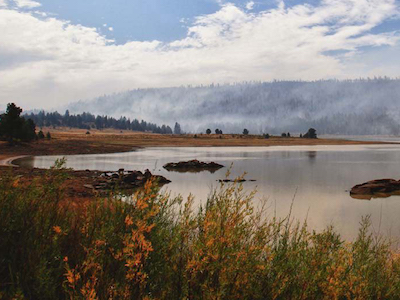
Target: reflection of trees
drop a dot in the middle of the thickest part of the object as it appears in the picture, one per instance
(312, 155)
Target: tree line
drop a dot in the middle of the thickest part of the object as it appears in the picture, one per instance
(89, 121)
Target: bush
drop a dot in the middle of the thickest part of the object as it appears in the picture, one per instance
(48, 135)
(245, 131)
(151, 246)
(208, 131)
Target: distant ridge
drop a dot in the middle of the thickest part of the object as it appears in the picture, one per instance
(353, 107)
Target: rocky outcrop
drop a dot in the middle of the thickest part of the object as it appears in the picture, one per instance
(193, 166)
(125, 180)
(381, 188)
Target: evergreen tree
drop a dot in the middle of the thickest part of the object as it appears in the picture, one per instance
(177, 128)
(13, 127)
(40, 135)
(311, 134)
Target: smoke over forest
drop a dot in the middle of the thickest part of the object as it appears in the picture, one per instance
(365, 106)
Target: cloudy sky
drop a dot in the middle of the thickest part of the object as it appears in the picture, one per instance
(56, 51)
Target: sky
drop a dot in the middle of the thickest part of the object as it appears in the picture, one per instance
(53, 52)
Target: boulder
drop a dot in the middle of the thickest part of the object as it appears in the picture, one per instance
(380, 188)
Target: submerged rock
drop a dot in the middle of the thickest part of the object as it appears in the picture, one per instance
(236, 180)
(192, 166)
(380, 188)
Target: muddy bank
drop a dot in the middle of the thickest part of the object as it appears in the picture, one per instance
(80, 186)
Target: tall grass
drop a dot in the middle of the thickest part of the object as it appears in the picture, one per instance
(156, 247)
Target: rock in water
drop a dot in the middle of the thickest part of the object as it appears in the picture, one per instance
(193, 166)
(380, 188)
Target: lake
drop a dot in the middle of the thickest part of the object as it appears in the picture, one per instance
(317, 177)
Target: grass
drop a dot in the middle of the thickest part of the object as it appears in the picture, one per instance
(156, 247)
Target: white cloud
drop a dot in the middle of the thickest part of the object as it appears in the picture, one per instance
(250, 5)
(40, 13)
(48, 62)
(27, 3)
(3, 3)
(110, 28)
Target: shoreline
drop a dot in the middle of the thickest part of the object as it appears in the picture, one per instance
(9, 162)
(76, 142)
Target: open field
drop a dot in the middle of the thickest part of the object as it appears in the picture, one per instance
(76, 141)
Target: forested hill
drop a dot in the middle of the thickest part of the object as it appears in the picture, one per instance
(88, 121)
(367, 106)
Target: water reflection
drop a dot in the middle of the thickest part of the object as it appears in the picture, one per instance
(312, 155)
(322, 176)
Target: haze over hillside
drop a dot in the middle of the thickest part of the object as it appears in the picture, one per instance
(368, 106)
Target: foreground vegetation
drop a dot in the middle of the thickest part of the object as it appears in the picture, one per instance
(155, 247)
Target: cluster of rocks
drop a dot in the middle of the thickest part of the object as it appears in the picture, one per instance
(381, 188)
(125, 180)
(193, 166)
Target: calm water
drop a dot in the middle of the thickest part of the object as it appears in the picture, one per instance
(321, 175)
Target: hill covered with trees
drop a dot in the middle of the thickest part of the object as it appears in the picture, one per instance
(364, 106)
